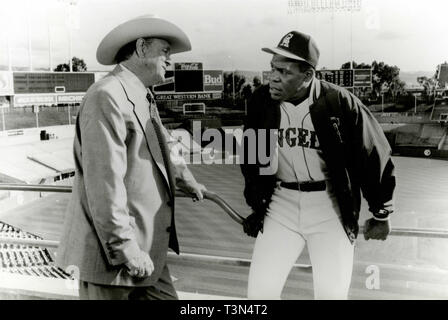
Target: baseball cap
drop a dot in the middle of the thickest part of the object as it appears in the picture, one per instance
(298, 46)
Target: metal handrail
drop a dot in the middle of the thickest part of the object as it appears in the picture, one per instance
(396, 231)
(34, 187)
(68, 189)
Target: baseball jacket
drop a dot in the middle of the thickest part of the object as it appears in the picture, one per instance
(354, 149)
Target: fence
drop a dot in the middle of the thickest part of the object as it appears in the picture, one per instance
(37, 116)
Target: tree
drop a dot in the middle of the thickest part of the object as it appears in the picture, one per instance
(356, 66)
(229, 87)
(78, 65)
(429, 84)
(388, 78)
(256, 82)
(384, 78)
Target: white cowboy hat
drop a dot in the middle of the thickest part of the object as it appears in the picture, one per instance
(141, 27)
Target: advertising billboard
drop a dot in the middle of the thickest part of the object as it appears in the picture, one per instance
(37, 100)
(188, 96)
(190, 78)
(213, 80)
(362, 78)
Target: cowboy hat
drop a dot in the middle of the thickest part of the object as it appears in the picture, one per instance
(141, 27)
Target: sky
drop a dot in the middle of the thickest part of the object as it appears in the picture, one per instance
(229, 35)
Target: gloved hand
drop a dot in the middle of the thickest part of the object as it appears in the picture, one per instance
(253, 224)
(377, 230)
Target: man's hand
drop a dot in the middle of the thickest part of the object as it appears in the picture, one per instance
(196, 190)
(377, 230)
(253, 224)
(141, 266)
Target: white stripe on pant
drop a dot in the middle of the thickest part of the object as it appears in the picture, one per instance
(294, 219)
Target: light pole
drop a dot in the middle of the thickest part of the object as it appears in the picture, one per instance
(415, 103)
(50, 59)
(233, 84)
(233, 79)
(8, 43)
(351, 39)
(30, 55)
(330, 6)
(69, 115)
(72, 22)
(3, 118)
(70, 49)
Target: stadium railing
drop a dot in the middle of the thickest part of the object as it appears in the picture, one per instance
(208, 195)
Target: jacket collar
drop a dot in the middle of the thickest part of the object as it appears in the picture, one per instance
(315, 90)
(136, 94)
(135, 90)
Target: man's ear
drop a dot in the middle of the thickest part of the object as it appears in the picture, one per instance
(140, 47)
(309, 75)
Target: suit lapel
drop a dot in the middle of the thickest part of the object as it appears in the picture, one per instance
(141, 111)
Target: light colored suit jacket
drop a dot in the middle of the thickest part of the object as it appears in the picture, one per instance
(122, 201)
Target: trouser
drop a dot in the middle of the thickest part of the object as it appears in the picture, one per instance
(163, 289)
(295, 219)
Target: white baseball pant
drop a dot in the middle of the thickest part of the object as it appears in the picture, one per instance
(294, 219)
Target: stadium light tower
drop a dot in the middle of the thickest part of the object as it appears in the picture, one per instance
(8, 43)
(72, 22)
(317, 6)
(50, 57)
(30, 52)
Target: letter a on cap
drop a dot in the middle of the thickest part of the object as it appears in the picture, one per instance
(285, 40)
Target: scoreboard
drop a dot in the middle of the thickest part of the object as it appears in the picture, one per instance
(442, 74)
(188, 77)
(52, 82)
(190, 81)
(347, 78)
(342, 78)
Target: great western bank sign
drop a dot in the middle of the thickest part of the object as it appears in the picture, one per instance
(189, 81)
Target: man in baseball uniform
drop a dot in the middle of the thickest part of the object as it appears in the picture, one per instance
(329, 149)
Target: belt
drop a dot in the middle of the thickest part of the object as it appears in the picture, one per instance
(306, 186)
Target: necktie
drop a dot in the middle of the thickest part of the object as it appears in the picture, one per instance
(157, 124)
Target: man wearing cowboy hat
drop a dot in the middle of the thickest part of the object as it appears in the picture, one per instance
(120, 220)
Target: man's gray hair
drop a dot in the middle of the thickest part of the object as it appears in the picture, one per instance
(128, 50)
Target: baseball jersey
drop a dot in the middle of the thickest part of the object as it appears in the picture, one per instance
(299, 155)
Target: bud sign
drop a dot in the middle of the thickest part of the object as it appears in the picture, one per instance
(213, 80)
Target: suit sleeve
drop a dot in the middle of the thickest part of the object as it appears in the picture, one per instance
(375, 165)
(104, 160)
